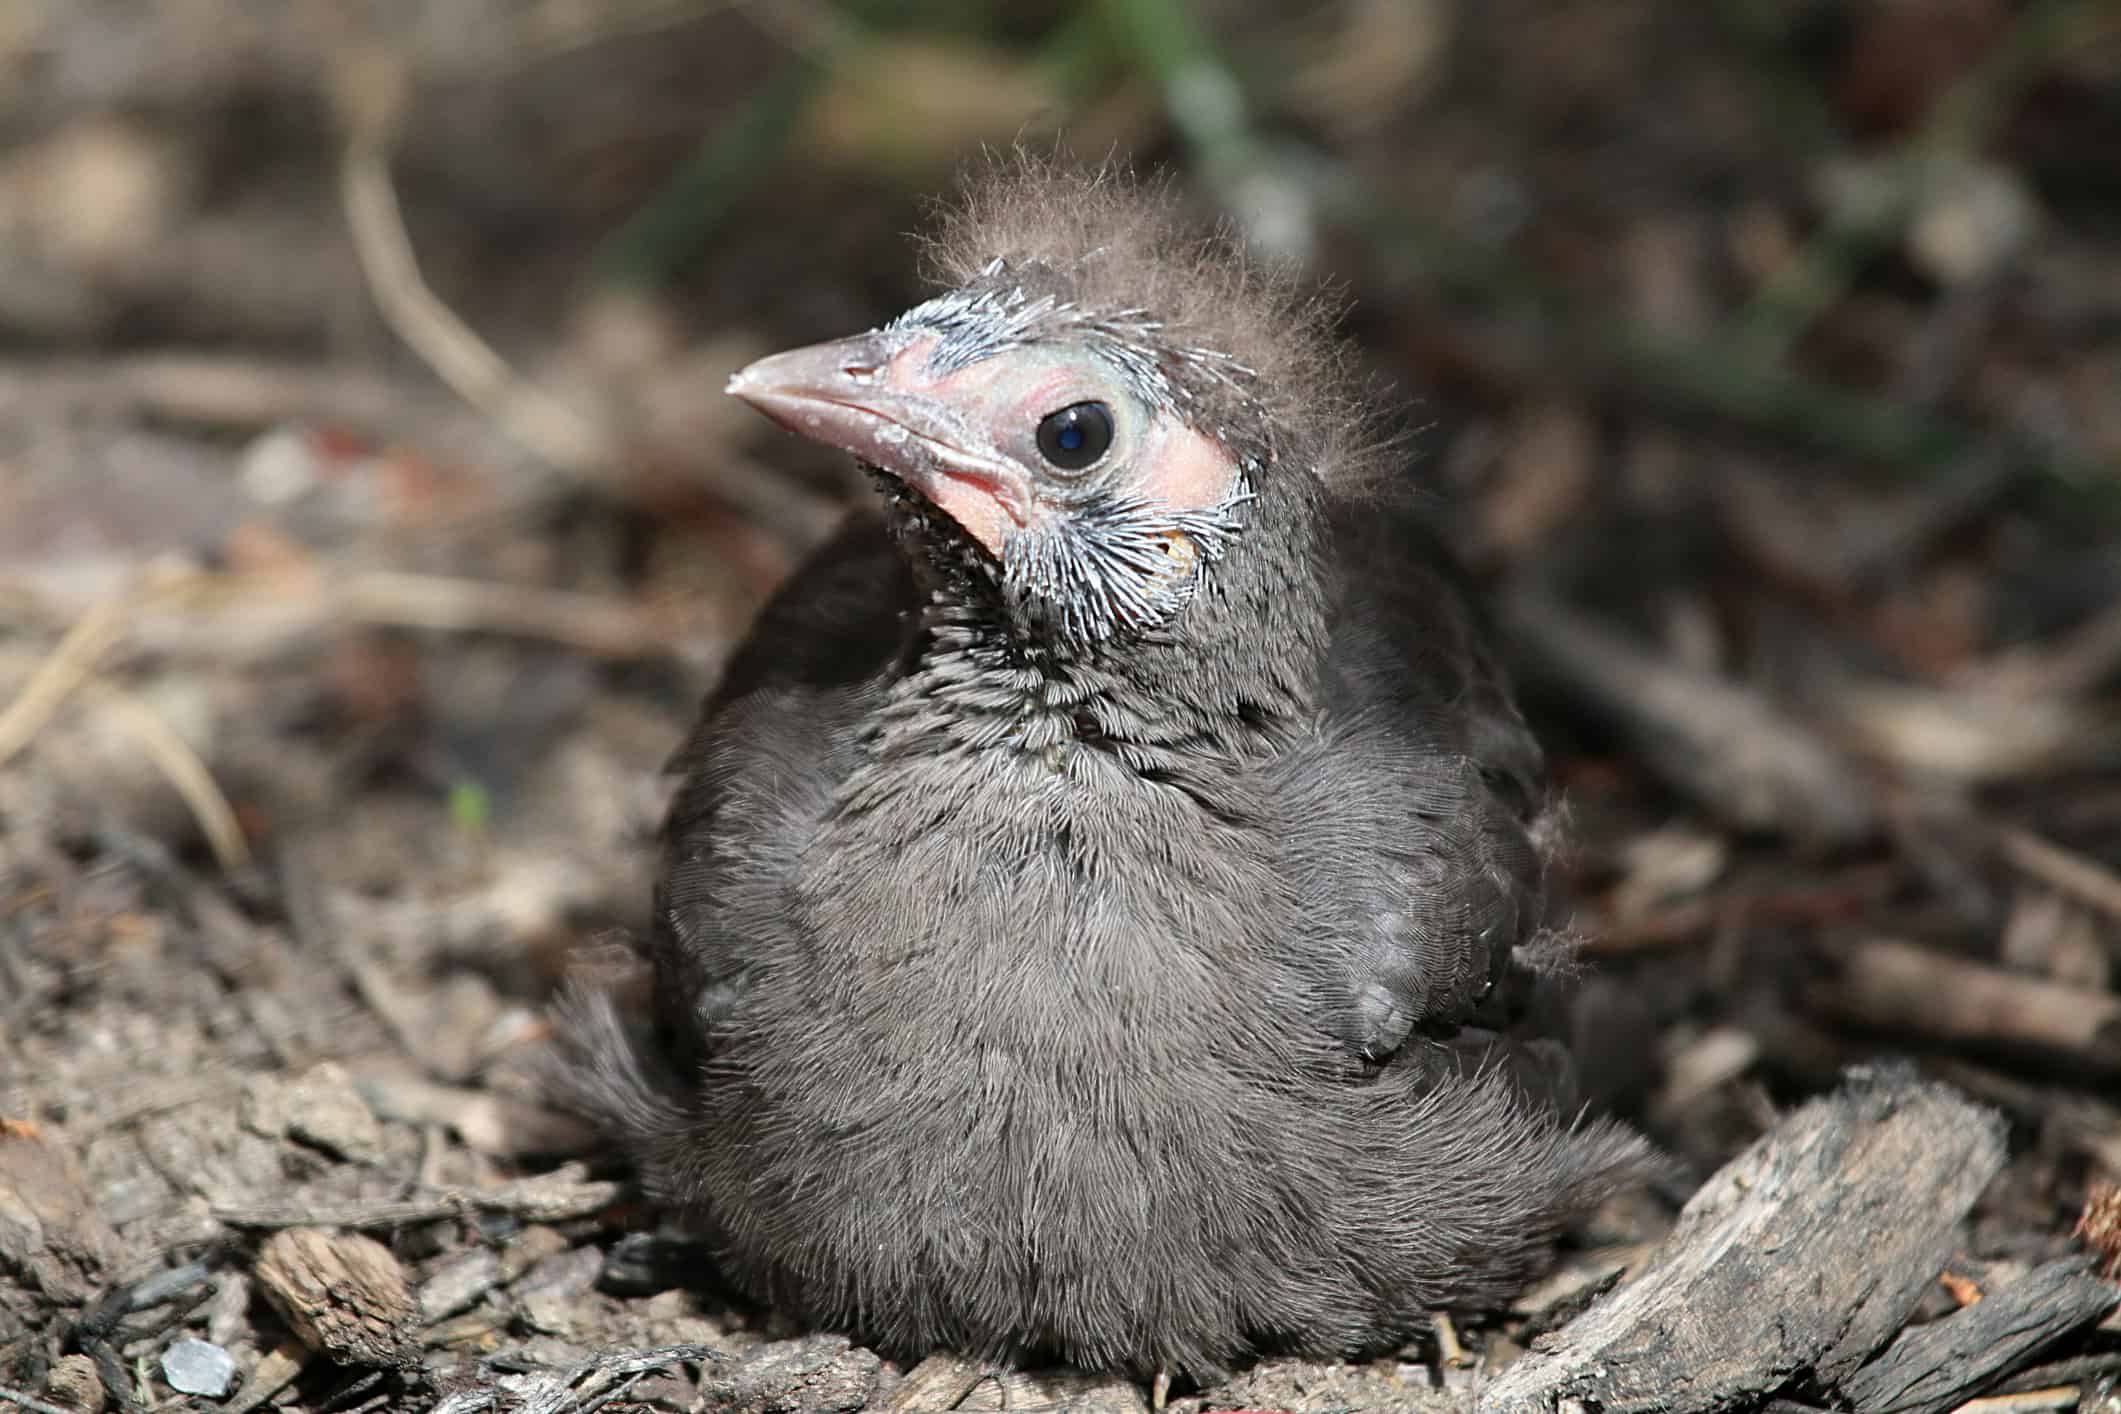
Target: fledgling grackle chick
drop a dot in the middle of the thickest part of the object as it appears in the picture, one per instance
(1104, 892)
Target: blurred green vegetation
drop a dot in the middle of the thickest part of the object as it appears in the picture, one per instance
(906, 89)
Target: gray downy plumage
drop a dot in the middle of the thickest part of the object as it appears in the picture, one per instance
(1102, 907)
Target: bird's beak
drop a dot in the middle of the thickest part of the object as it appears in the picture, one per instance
(872, 395)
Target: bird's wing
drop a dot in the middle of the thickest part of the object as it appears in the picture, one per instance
(1414, 818)
(777, 736)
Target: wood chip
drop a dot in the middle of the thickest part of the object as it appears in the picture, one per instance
(2032, 1401)
(344, 1295)
(493, 1124)
(49, 1231)
(274, 1373)
(2100, 1225)
(815, 1372)
(1755, 1284)
(2082, 878)
(74, 1384)
(1932, 1367)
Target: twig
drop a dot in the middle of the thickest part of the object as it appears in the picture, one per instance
(2074, 666)
(2054, 1372)
(533, 418)
(214, 390)
(547, 1198)
(1724, 746)
(67, 668)
(1841, 897)
(273, 1373)
(2032, 1401)
(181, 767)
(244, 616)
(153, 1098)
(1450, 1351)
(1899, 986)
(606, 627)
(2084, 879)
(1965, 735)
(35, 1406)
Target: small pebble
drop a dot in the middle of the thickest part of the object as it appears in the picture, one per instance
(195, 1367)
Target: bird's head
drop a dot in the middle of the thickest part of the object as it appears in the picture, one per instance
(1102, 415)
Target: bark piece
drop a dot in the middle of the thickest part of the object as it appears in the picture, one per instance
(343, 1295)
(1933, 1367)
(320, 1108)
(1800, 1257)
(819, 1374)
(51, 1236)
(74, 1384)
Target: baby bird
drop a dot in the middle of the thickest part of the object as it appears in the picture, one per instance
(1105, 891)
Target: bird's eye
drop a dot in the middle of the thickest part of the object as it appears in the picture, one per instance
(1076, 436)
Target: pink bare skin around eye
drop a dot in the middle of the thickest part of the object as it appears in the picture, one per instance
(1181, 468)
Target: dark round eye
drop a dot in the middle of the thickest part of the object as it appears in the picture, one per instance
(1076, 436)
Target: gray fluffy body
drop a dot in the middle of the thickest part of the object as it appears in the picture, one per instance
(1146, 989)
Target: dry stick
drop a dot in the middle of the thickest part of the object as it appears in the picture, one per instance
(2083, 879)
(215, 390)
(595, 625)
(940, 1381)
(293, 610)
(34, 1405)
(66, 669)
(2032, 1401)
(272, 1374)
(560, 434)
(551, 1197)
(181, 767)
(2074, 666)
(532, 417)
(1899, 986)
(1712, 738)
(69, 668)
(1838, 897)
